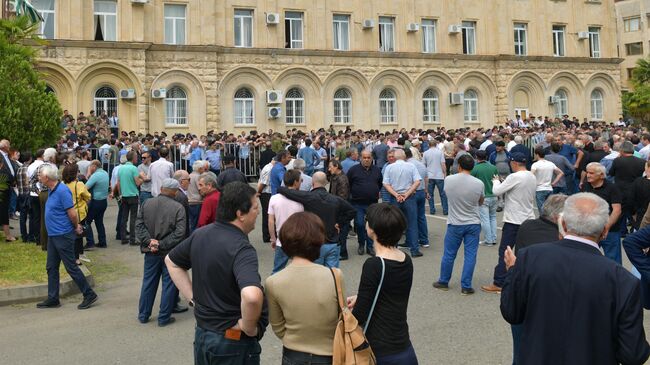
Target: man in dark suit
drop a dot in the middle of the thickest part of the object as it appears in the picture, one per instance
(576, 306)
(8, 171)
(636, 247)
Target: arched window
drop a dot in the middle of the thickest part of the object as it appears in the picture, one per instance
(430, 106)
(105, 101)
(49, 89)
(295, 102)
(471, 106)
(176, 106)
(596, 105)
(244, 107)
(561, 103)
(342, 106)
(387, 106)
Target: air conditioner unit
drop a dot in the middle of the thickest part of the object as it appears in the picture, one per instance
(275, 112)
(553, 100)
(412, 27)
(139, 1)
(273, 96)
(456, 98)
(583, 35)
(127, 94)
(455, 28)
(272, 18)
(368, 24)
(159, 93)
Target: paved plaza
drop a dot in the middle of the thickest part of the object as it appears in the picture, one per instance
(445, 327)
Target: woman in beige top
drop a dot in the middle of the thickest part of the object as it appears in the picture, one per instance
(303, 306)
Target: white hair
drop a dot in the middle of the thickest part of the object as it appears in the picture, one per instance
(585, 214)
(4, 144)
(598, 167)
(49, 155)
(519, 139)
(50, 171)
(199, 164)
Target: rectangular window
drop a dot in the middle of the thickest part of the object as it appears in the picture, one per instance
(293, 29)
(633, 49)
(558, 40)
(521, 39)
(105, 20)
(594, 42)
(428, 27)
(469, 37)
(630, 73)
(46, 9)
(243, 28)
(174, 24)
(386, 34)
(632, 24)
(341, 36)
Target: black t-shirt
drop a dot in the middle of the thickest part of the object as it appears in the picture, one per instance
(388, 332)
(223, 262)
(610, 193)
(625, 169)
(595, 156)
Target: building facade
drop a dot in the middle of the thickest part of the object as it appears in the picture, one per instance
(633, 28)
(366, 64)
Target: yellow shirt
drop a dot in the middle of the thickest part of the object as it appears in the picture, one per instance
(80, 197)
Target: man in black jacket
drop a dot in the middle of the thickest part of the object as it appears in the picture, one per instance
(331, 209)
(583, 308)
(365, 183)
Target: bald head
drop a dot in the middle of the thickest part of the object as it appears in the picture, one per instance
(400, 154)
(319, 179)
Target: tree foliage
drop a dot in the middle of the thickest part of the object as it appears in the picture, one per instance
(29, 116)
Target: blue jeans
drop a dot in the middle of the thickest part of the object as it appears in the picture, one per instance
(560, 190)
(440, 184)
(195, 211)
(540, 198)
(410, 210)
(612, 245)
(329, 255)
(154, 268)
(212, 348)
(61, 248)
(360, 224)
(385, 196)
(423, 230)
(280, 260)
(456, 234)
(488, 214)
(406, 357)
(144, 196)
(96, 210)
(508, 236)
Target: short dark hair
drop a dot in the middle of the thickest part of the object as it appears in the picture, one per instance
(408, 153)
(307, 142)
(539, 151)
(291, 176)
(280, 155)
(228, 159)
(556, 147)
(163, 152)
(235, 196)
(388, 222)
(337, 164)
(466, 162)
(481, 155)
(293, 150)
(131, 155)
(69, 173)
(302, 235)
(500, 144)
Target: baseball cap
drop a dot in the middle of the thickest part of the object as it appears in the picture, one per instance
(518, 157)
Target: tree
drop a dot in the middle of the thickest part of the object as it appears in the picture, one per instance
(29, 116)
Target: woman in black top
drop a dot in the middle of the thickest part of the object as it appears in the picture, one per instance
(386, 327)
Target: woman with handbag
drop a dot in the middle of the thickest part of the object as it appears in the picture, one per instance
(80, 197)
(303, 301)
(381, 303)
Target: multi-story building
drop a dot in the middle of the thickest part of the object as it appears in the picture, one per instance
(633, 28)
(196, 65)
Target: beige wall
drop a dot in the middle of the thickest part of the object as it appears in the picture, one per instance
(625, 10)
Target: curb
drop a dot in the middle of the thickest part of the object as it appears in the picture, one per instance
(35, 292)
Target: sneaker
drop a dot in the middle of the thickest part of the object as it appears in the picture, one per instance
(88, 301)
(466, 291)
(84, 258)
(441, 286)
(49, 303)
(425, 245)
(169, 321)
(491, 289)
(483, 243)
(417, 254)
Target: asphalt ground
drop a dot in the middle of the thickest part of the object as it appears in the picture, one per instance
(445, 327)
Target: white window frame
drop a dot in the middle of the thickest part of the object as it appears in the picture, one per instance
(521, 39)
(469, 36)
(175, 20)
(295, 107)
(342, 103)
(597, 105)
(241, 104)
(387, 107)
(594, 42)
(562, 105)
(292, 23)
(559, 40)
(470, 106)
(240, 22)
(105, 15)
(178, 106)
(48, 15)
(340, 41)
(386, 32)
(629, 22)
(428, 27)
(105, 100)
(430, 106)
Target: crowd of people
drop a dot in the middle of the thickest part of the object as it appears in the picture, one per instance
(187, 201)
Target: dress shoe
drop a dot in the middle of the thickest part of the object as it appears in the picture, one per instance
(491, 289)
(134, 244)
(125, 242)
(466, 291)
(49, 303)
(361, 250)
(499, 209)
(169, 321)
(371, 252)
(441, 286)
(180, 309)
(417, 254)
(88, 301)
(343, 258)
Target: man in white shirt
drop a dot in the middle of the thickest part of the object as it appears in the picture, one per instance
(519, 189)
(264, 192)
(160, 170)
(280, 209)
(544, 170)
(645, 151)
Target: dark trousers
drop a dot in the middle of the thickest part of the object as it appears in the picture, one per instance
(79, 242)
(508, 236)
(23, 206)
(517, 330)
(406, 357)
(61, 248)
(129, 212)
(42, 199)
(291, 357)
(264, 199)
(195, 211)
(118, 225)
(343, 239)
(34, 218)
(154, 268)
(96, 210)
(360, 225)
(212, 348)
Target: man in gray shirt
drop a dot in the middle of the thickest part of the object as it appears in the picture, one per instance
(563, 164)
(380, 153)
(465, 194)
(143, 170)
(420, 199)
(434, 160)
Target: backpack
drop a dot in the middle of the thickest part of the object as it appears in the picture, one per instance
(350, 344)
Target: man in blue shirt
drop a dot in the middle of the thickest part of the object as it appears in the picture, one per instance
(97, 185)
(213, 155)
(310, 156)
(277, 172)
(351, 160)
(197, 152)
(62, 223)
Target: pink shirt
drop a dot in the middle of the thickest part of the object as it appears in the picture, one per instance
(282, 208)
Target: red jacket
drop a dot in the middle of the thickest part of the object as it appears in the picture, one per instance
(209, 209)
